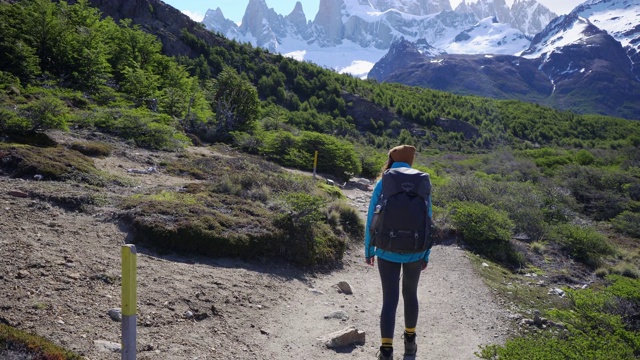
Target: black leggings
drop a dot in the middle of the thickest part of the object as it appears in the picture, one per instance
(390, 276)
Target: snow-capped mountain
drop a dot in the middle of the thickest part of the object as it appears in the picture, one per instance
(351, 35)
(586, 61)
(528, 16)
(489, 36)
(618, 18)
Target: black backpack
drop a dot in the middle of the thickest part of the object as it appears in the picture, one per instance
(401, 221)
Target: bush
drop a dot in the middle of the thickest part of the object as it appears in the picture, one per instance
(12, 123)
(480, 223)
(524, 204)
(349, 220)
(466, 189)
(627, 223)
(45, 113)
(32, 346)
(335, 157)
(583, 243)
(486, 230)
(584, 157)
(145, 128)
(600, 325)
(99, 149)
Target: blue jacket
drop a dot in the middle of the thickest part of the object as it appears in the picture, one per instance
(370, 250)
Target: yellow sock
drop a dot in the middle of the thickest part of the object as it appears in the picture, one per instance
(410, 331)
(387, 342)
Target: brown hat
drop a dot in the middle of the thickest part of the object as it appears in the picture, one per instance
(403, 153)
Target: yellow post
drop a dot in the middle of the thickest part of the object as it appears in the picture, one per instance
(129, 301)
(315, 163)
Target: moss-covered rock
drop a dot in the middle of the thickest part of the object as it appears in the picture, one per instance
(56, 163)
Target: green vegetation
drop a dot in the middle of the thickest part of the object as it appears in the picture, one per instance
(249, 208)
(535, 187)
(37, 347)
(485, 230)
(599, 325)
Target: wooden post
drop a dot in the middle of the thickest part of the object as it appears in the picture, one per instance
(315, 163)
(129, 289)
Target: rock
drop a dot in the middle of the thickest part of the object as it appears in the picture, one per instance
(345, 287)
(22, 274)
(18, 193)
(115, 314)
(537, 320)
(344, 337)
(106, 346)
(556, 291)
(337, 315)
(316, 291)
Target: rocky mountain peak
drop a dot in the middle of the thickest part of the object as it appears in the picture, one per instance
(297, 18)
(413, 7)
(329, 19)
(401, 54)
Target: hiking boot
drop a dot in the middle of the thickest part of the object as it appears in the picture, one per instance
(410, 346)
(385, 353)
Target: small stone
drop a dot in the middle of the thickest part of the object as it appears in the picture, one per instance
(115, 314)
(316, 291)
(344, 337)
(345, 287)
(337, 315)
(17, 193)
(107, 346)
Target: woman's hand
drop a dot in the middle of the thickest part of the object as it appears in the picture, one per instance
(370, 261)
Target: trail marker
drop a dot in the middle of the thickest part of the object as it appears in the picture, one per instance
(129, 290)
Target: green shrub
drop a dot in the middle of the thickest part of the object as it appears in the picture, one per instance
(538, 247)
(467, 189)
(335, 157)
(524, 203)
(628, 223)
(12, 123)
(584, 243)
(52, 163)
(92, 148)
(584, 157)
(45, 113)
(627, 269)
(33, 346)
(480, 223)
(486, 230)
(600, 325)
(601, 191)
(349, 220)
(331, 190)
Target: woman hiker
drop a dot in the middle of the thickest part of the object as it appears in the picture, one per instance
(394, 261)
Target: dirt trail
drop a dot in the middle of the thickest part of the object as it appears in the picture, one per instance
(59, 277)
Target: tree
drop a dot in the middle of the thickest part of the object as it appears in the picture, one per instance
(45, 113)
(140, 84)
(235, 101)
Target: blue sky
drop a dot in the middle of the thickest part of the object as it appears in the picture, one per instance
(234, 9)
